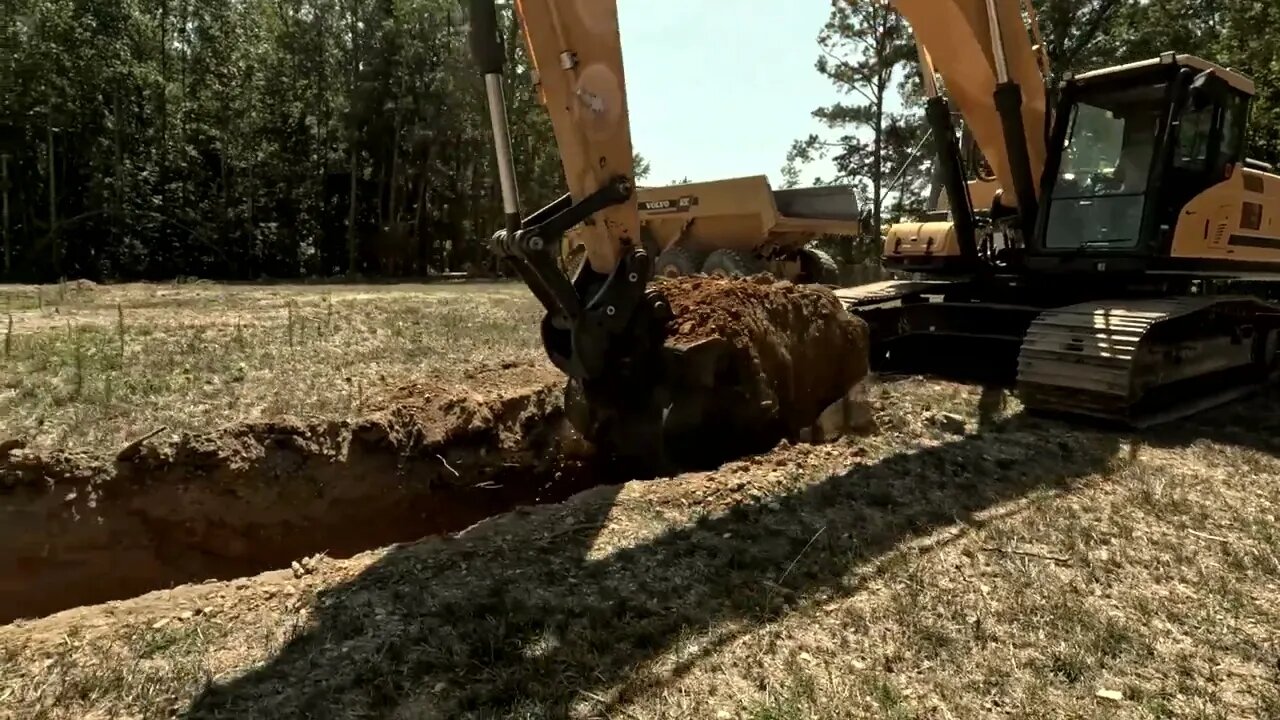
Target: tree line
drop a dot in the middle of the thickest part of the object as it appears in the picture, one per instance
(284, 138)
(251, 138)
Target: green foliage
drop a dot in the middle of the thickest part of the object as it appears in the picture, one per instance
(246, 138)
(641, 165)
(1228, 32)
(867, 51)
(1080, 34)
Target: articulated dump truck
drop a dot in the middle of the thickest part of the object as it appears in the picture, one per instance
(738, 227)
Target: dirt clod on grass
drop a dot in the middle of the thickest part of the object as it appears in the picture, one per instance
(257, 496)
(795, 350)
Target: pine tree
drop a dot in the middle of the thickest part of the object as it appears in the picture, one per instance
(866, 48)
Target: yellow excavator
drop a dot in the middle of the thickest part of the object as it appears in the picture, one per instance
(1118, 260)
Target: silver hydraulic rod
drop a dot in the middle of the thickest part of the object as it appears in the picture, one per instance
(502, 146)
(997, 43)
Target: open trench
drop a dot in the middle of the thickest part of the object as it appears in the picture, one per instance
(433, 459)
(257, 496)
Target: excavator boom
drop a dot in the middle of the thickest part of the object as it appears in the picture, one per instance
(577, 54)
(977, 46)
(980, 49)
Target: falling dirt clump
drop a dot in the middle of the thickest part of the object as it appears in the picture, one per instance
(794, 351)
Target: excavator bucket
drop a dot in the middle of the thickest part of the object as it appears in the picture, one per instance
(745, 363)
(789, 352)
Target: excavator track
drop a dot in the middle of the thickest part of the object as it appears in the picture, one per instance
(1147, 361)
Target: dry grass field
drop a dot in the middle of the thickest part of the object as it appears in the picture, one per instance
(964, 561)
(95, 367)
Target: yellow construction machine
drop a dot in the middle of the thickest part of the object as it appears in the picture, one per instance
(741, 226)
(1121, 259)
(1118, 260)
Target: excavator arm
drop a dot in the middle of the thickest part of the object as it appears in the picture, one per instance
(602, 326)
(577, 59)
(993, 64)
(984, 50)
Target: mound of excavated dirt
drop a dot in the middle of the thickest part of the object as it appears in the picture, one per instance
(257, 496)
(795, 349)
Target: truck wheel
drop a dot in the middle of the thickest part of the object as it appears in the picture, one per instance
(675, 261)
(818, 267)
(730, 263)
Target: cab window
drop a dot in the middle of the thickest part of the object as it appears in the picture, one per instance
(1233, 119)
(1193, 138)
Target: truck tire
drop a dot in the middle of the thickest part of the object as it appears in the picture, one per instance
(675, 261)
(818, 267)
(731, 263)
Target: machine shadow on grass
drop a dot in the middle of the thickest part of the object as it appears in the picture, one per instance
(524, 623)
(1248, 424)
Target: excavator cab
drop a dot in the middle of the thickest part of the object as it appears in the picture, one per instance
(1131, 146)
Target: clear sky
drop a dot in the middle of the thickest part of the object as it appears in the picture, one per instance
(720, 88)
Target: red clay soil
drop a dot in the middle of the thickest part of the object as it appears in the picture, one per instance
(257, 496)
(796, 350)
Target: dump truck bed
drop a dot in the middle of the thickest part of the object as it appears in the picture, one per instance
(745, 213)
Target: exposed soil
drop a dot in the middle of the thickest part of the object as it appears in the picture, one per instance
(794, 351)
(797, 342)
(966, 562)
(257, 496)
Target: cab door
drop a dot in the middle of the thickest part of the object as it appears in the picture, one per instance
(1205, 150)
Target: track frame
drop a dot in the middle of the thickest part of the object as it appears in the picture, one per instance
(1134, 355)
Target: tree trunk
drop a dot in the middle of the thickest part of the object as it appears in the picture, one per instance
(164, 90)
(353, 166)
(252, 189)
(54, 249)
(351, 213)
(4, 194)
(393, 204)
(420, 233)
(117, 220)
(224, 234)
